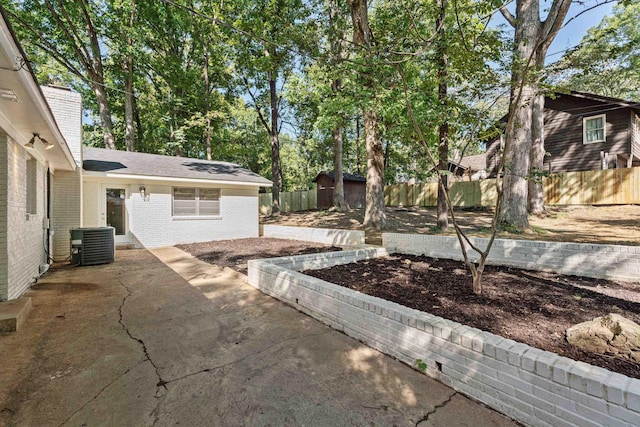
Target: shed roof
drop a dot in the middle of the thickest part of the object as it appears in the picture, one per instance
(115, 162)
(475, 162)
(345, 177)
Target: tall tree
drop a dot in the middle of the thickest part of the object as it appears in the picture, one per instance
(531, 41)
(374, 216)
(272, 32)
(442, 220)
(337, 34)
(123, 46)
(71, 33)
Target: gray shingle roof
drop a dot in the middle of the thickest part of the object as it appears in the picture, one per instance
(345, 177)
(130, 163)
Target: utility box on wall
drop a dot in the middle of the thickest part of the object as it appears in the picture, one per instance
(91, 246)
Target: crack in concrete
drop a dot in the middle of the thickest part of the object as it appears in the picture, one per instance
(435, 409)
(102, 390)
(156, 410)
(215, 368)
(161, 382)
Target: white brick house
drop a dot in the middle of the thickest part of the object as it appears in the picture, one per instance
(151, 200)
(33, 156)
(155, 200)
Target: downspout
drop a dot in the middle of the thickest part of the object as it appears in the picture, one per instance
(48, 217)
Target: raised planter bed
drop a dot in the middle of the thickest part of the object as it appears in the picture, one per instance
(532, 386)
(582, 259)
(327, 236)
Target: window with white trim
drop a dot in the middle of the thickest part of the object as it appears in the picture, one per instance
(594, 129)
(32, 184)
(190, 201)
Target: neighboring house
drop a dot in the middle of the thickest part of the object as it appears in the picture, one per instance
(154, 200)
(584, 131)
(35, 163)
(150, 200)
(355, 190)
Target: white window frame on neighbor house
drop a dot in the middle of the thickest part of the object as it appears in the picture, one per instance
(200, 207)
(585, 120)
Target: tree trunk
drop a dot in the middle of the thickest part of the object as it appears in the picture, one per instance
(374, 212)
(337, 41)
(139, 130)
(275, 148)
(548, 32)
(477, 282)
(536, 193)
(129, 131)
(513, 205)
(532, 39)
(105, 115)
(442, 221)
(358, 147)
(374, 215)
(338, 191)
(207, 101)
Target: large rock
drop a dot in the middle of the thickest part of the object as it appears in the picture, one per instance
(611, 334)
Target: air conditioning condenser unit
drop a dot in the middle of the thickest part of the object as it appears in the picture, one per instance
(91, 246)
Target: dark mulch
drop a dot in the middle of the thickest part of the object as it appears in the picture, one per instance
(235, 253)
(530, 307)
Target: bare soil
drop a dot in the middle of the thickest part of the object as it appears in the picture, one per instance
(586, 224)
(235, 253)
(530, 307)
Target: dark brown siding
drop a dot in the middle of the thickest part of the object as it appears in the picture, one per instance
(325, 192)
(563, 119)
(564, 134)
(354, 193)
(493, 157)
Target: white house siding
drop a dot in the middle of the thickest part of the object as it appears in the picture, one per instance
(66, 187)
(24, 233)
(91, 204)
(66, 107)
(66, 209)
(4, 261)
(151, 223)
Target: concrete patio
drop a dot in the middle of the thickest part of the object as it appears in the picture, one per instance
(162, 339)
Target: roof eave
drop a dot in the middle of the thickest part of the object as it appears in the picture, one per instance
(27, 78)
(138, 177)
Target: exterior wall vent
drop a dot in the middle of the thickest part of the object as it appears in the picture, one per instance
(90, 246)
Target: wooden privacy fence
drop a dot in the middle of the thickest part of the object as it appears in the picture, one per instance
(463, 194)
(290, 201)
(607, 187)
(602, 187)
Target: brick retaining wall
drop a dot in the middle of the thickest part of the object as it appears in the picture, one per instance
(582, 259)
(535, 387)
(328, 236)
